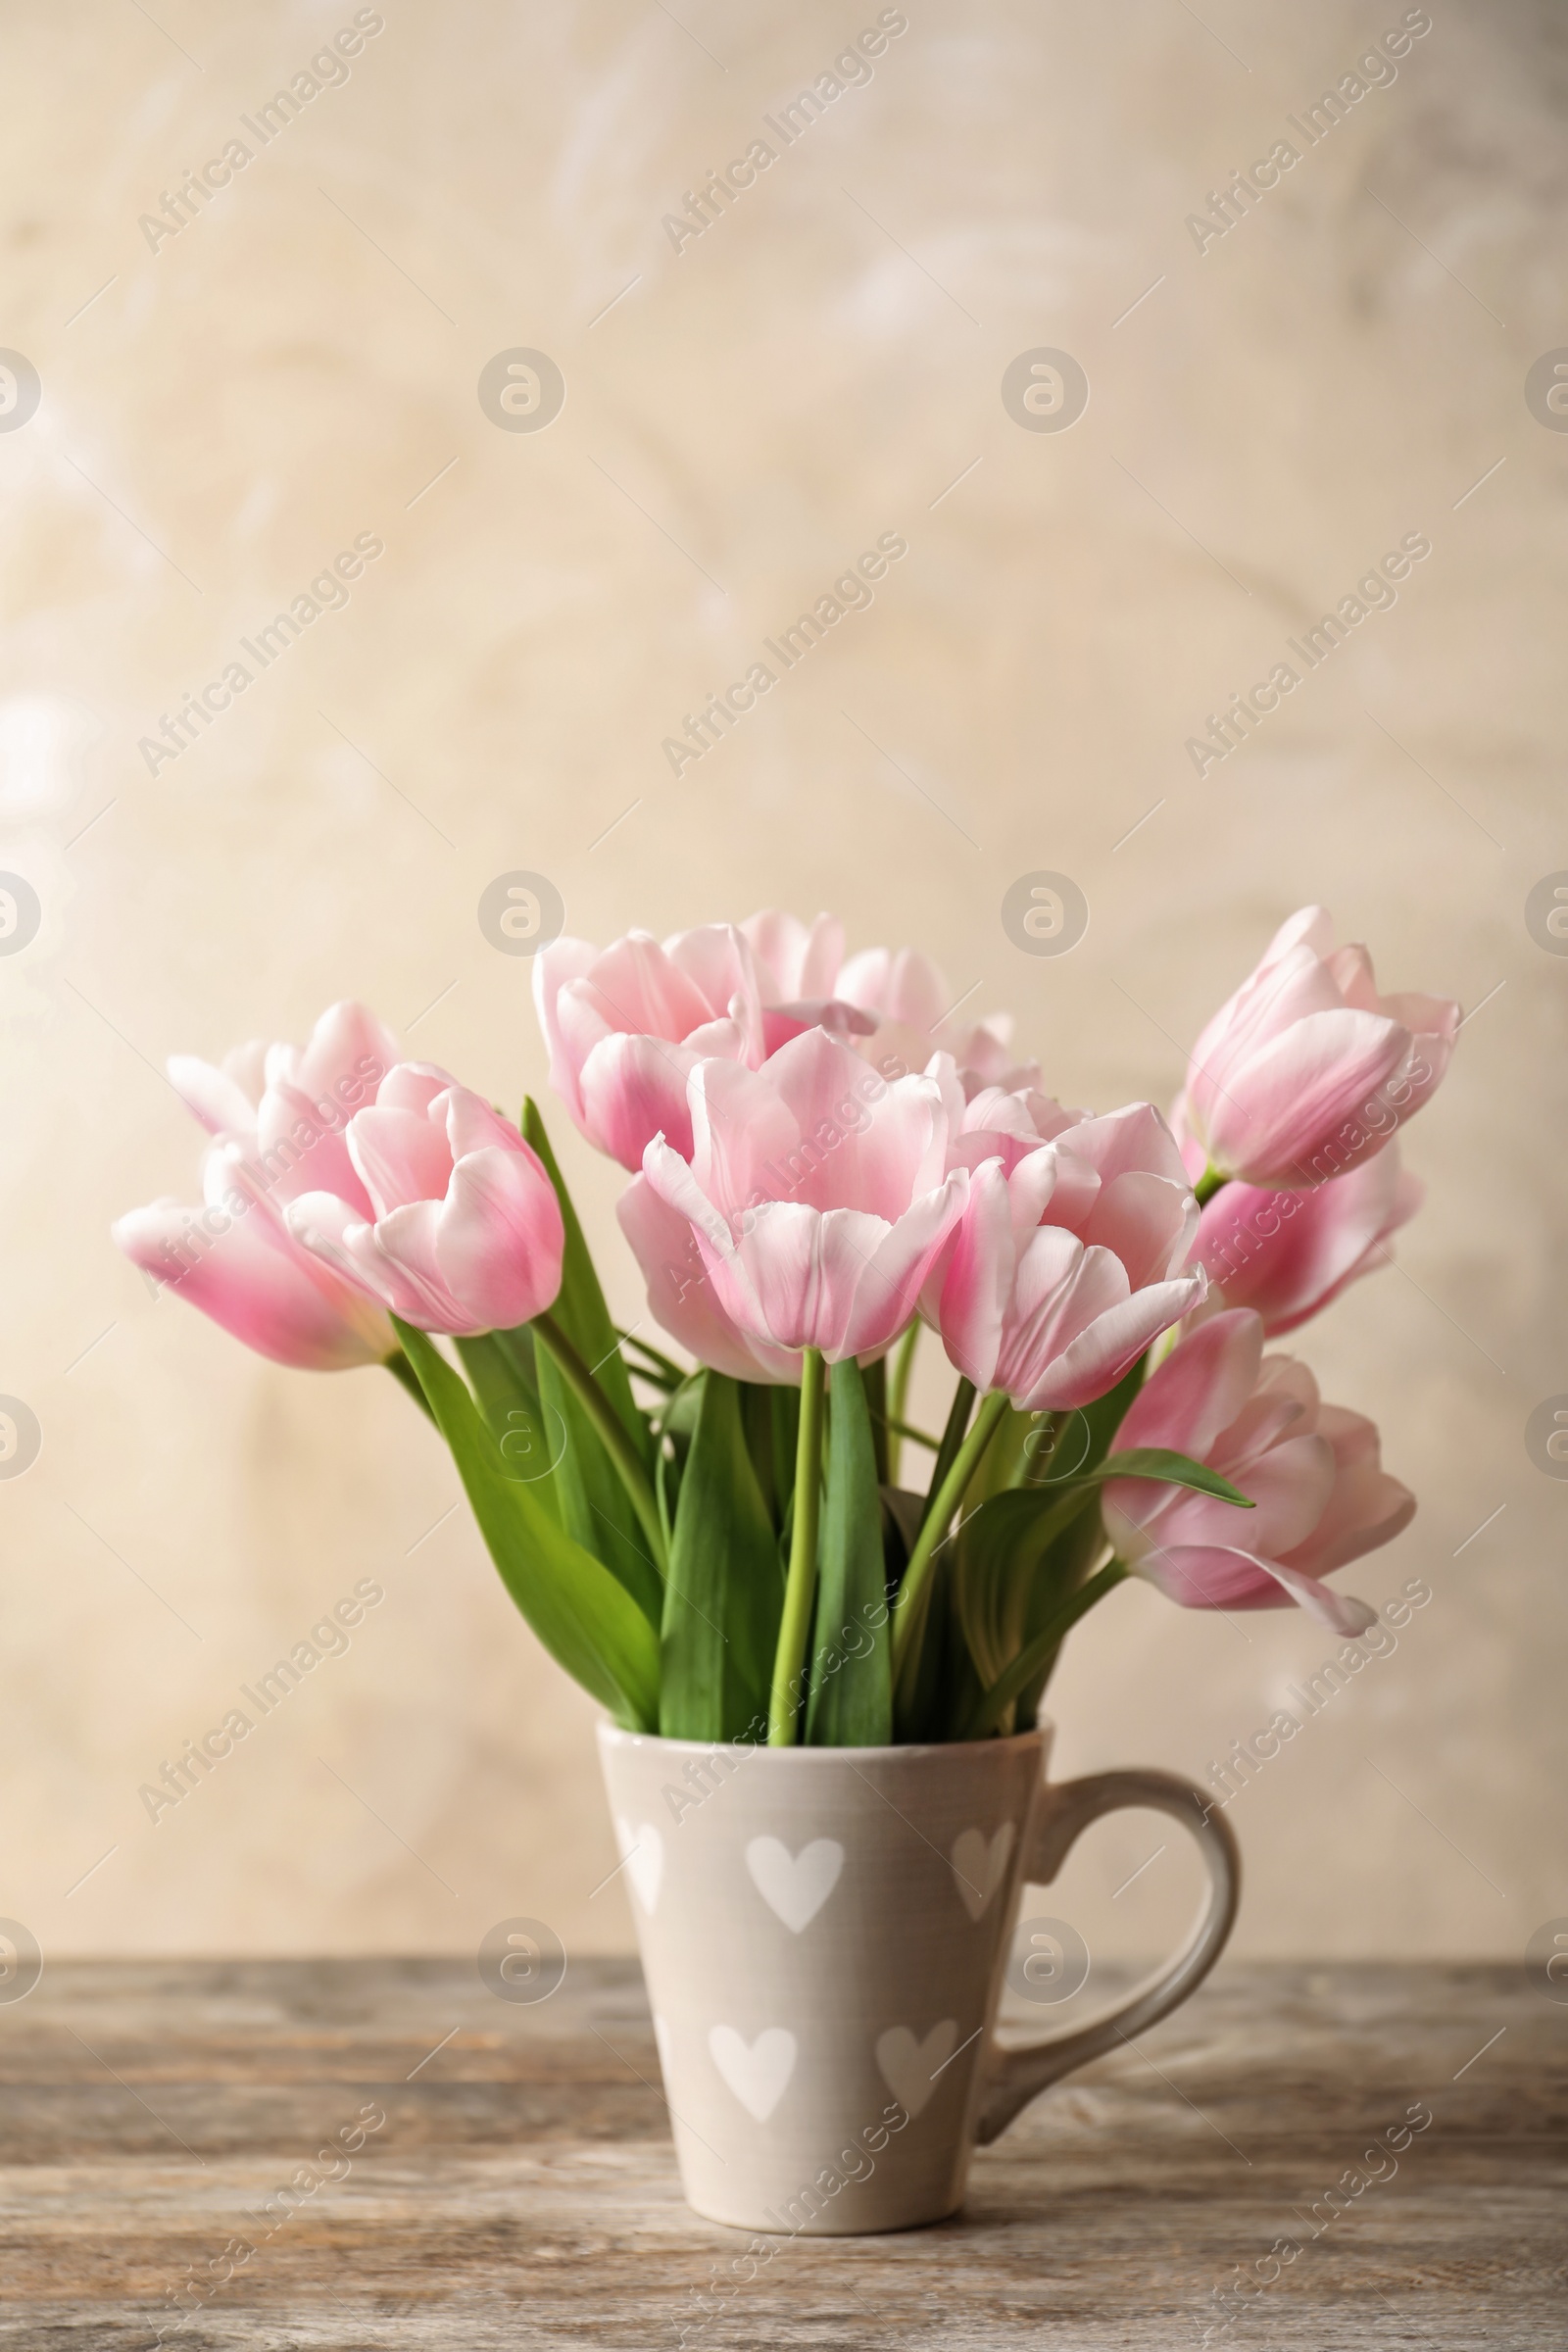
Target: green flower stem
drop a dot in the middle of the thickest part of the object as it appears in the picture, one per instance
(908, 1610)
(957, 1422)
(661, 1368)
(611, 1434)
(1027, 1664)
(898, 1396)
(907, 1429)
(403, 1372)
(799, 1588)
(1208, 1186)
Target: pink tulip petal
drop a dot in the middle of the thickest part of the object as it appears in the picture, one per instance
(797, 963)
(905, 988)
(1351, 971)
(398, 1255)
(636, 988)
(1289, 1254)
(632, 1089)
(720, 963)
(274, 1298)
(1215, 1578)
(246, 1065)
(796, 1271)
(1322, 1498)
(1284, 1404)
(1053, 1185)
(1369, 1507)
(331, 1232)
(1043, 1271)
(1277, 995)
(1303, 1084)
(413, 1085)
(554, 967)
(1199, 1389)
(682, 1297)
(1307, 1067)
(1133, 1140)
(1147, 1220)
(302, 1146)
(872, 1152)
(744, 1143)
(888, 1293)
(722, 1040)
(499, 1238)
(217, 1099)
(1111, 1345)
(975, 1279)
(474, 1125)
(349, 1054)
(1290, 1486)
(400, 1156)
(778, 1027)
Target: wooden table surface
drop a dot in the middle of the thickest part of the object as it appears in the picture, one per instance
(521, 2187)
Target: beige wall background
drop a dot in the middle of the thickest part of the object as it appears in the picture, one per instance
(298, 365)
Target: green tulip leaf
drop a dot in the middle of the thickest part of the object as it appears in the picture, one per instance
(586, 1619)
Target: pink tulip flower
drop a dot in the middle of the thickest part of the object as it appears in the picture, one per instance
(280, 1113)
(1064, 1266)
(684, 1301)
(997, 1122)
(234, 1258)
(464, 1232)
(1307, 1070)
(1311, 1469)
(289, 1106)
(626, 1026)
(816, 1192)
(1289, 1254)
(910, 998)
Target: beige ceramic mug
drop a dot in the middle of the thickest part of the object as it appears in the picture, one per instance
(824, 1933)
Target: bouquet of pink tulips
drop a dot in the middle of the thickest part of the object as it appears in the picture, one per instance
(822, 1168)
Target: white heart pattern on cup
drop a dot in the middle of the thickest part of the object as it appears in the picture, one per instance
(910, 2068)
(979, 1867)
(642, 1851)
(795, 1885)
(758, 2072)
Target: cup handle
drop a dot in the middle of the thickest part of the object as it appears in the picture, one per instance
(1064, 1812)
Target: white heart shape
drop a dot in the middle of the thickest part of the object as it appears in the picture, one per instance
(662, 2038)
(911, 2068)
(758, 2072)
(642, 1851)
(978, 1867)
(795, 1885)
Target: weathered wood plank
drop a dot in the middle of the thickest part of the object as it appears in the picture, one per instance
(522, 2191)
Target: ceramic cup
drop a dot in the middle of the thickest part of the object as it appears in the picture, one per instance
(824, 1932)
